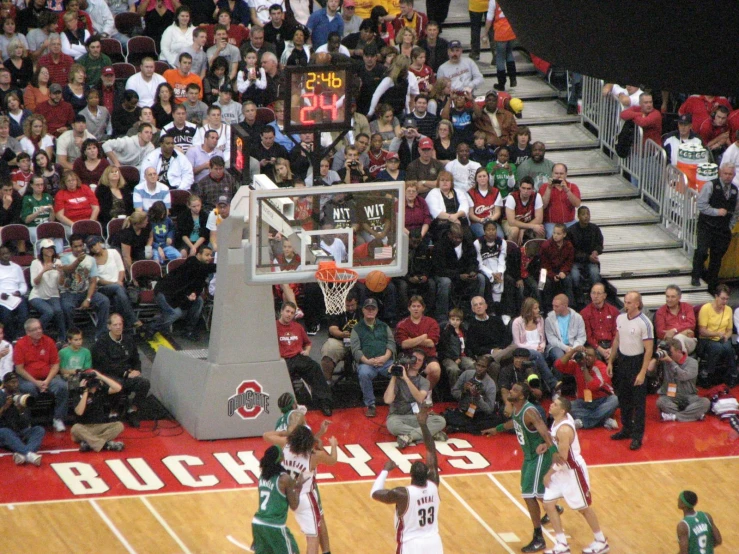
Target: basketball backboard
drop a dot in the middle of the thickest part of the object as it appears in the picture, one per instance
(359, 226)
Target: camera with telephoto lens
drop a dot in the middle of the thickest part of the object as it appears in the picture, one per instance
(579, 357)
(528, 364)
(662, 350)
(91, 379)
(23, 400)
(404, 362)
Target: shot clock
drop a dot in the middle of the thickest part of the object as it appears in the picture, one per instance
(318, 98)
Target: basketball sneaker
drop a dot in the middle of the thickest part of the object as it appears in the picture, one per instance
(597, 547)
(404, 441)
(33, 458)
(668, 417)
(610, 424)
(535, 545)
(19, 458)
(559, 548)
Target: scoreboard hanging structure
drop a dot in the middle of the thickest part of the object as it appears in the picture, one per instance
(318, 98)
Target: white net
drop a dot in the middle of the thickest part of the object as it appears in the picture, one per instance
(335, 284)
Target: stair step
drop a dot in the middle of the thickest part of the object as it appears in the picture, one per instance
(656, 285)
(487, 67)
(622, 238)
(581, 162)
(564, 137)
(545, 112)
(621, 212)
(528, 87)
(653, 302)
(603, 187)
(615, 265)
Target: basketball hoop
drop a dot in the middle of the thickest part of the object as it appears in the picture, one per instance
(335, 283)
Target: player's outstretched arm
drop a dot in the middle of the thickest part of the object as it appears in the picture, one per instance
(717, 539)
(428, 441)
(507, 426)
(327, 458)
(387, 496)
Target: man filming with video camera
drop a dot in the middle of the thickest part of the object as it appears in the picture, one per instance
(94, 430)
(406, 391)
(596, 402)
(678, 399)
(16, 432)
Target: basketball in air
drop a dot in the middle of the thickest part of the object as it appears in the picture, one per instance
(376, 281)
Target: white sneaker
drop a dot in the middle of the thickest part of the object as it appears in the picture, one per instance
(404, 441)
(33, 458)
(668, 417)
(299, 314)
(559, 548)
(610, 424)
(19, 458)
(597, 547)
(58, 425)
(578, 424)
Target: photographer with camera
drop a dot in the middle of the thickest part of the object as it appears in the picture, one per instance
(476, 392)
(16, 432)
(560, 198)
(596, 402)
(521, 371)
(406, 391)
(94, 430)
(678, 399)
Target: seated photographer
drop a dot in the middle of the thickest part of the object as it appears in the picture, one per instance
(338, 343)
(405, 392)
(116, 356)
(596, 402)
(476, 393)
(715, 327)
(94, 430)
(16, 432)
(520, 370)
(678, 400)
(418, 331)
(451, 349)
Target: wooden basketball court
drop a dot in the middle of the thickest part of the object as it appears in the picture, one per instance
(481, 513)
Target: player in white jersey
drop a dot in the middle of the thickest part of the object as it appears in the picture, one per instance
(417, 506)
(569, 480)
(300, 459)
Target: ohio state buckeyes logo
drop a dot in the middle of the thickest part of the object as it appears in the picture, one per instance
(249, 401)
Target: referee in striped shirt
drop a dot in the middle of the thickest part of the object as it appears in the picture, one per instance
(630, 354)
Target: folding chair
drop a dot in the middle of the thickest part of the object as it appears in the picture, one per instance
(127, 22)
(139, 48)
(114, 228)
(160, 67)
(113, 49)
(50, 230)
(87, 227)
(123, 70)
(14, 233)
(174, 264)
(131, 175)
(265, 115)
(179, 203)
(150, 270)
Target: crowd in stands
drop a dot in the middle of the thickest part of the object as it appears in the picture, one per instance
(104, 166)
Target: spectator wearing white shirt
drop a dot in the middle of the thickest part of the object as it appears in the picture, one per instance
(214, 123)
(102, 19)
(172, 167)
(145, 83)
(463, 169)
(222, 211)
(12, 284)
(149, 191)
(177, 37)
(130, 150)
(73, 37)
(627, 96)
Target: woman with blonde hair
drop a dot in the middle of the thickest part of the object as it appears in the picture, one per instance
(283, 173)
(447, 205)
(399, 89)
(36, 136)
(37, 90)
(528, 332)
(135, 236)
(75, 90)
(19, 64)
(73, 36)
(16, 114)
(405, 40)
(440, 95)
(8, 35)
(114, 195)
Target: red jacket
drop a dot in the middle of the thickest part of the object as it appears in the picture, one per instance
(420, 19)
(651, 123)
(600, 384)
(555, 259)
(406, 329)
(701, 109)
(599, 324)
(708, 131)
(664, 320)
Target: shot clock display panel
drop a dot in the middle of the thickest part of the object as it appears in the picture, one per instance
(317, 98)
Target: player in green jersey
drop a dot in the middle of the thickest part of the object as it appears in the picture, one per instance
(538, 453)
(696, 532)
(277, 492)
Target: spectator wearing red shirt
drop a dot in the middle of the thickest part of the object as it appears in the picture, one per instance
(676, 320)
(417, 214)
(715, 133)
(600, 321)
(557, 256)
(295, 348)
(36, 361)
(420, 331)
(596, 403)
(56, 62)
(74, 201)
(701, 107)
(646, 117)
(58, 113)
(408, 17)
(559, 199)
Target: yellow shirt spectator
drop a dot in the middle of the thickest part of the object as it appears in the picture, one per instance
(714, 321)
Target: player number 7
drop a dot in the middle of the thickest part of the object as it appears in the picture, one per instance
(265, 496)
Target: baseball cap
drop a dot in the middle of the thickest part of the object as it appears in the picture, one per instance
(521, 353)
(349, 4)
(108, 70)
(491, 93)
(454, 44)
(10, 375)
(370, 303)
(426, 144)
(226, 87)
(686, 119)
(223, 200)
(46, 243)
(410, 122)
(392, 156)
(56, 87)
